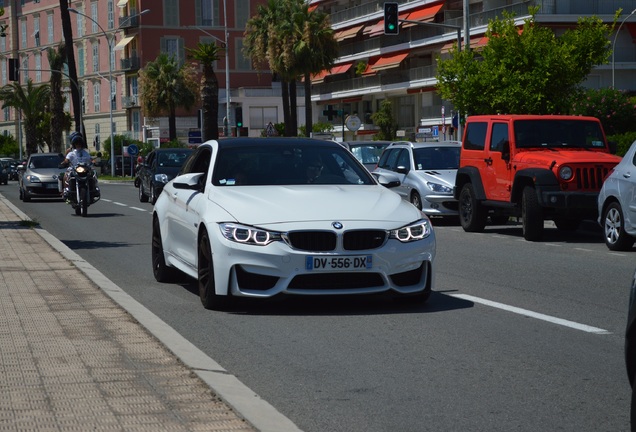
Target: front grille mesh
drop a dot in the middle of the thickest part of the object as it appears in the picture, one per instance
(326, 241)
(591, 177)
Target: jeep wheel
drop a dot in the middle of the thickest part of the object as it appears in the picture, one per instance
(532, 215)
(472, 216)
(615, 236)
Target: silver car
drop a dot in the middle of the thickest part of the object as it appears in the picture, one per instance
(367, 152)
(617, 204)
(426, 171)
(39, 178)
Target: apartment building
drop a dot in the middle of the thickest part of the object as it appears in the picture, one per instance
(373, 66)
(114, 39)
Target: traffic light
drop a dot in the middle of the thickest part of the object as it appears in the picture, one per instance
(391, 19)
(14, 70)
(238, 114)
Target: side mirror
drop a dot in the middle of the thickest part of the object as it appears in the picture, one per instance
(20, 167)
(402, 169)
(387, 180)
(191, 181)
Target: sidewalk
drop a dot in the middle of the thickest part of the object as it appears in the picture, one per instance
(74, 357)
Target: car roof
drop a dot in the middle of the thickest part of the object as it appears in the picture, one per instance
(171, 149)
(46, 154)
(426, 144)
(249, 141)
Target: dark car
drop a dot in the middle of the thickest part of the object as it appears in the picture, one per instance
(159, 167)
(40, 175)
(630, 349)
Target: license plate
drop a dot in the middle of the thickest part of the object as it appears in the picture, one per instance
(51, 185)
(339, 263)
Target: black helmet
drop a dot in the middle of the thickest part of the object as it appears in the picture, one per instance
(76, 137)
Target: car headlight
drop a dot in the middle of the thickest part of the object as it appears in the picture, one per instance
(412, 232)
(565, 172)
(436, 187)
(248, 235)
(161, 178)
(33, 179)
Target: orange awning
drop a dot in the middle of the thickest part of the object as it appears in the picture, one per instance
(475, 43)
(348, 33)
(375, 30)
(339, 69)
(424, 14)
(388, 61)
(319, 77)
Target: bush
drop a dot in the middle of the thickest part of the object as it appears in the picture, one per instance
(614, 108)
(623, 142)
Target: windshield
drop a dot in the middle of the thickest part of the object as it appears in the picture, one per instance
(287, 164)
(436, 158)
(558, 133)
(49, 161)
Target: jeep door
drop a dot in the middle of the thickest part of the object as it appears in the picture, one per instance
(498, 171)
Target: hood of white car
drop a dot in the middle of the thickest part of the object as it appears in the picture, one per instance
(261, 205)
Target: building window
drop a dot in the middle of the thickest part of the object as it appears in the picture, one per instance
(96, 96)
(242, 13)
(261, 116)
(7, 114)
(96, 57)
(38, 67)
(80, 61)
(171, 13)
(23, 31)
(111, 15)
(113, 94)
(94, 27)
(80, 25)
(24, 73)
(36, 31)
(242, 63)
(173, 46)
(49, 27)
(207, 12)
(3, 66)
(135, 119)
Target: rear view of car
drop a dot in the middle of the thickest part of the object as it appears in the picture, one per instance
(367, 152)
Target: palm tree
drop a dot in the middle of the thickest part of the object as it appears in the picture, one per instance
(207, 54)
(268, 41)
(32, 102)
(166, 86)
(293, 42)
(57, 58)
(315, 50)
(67, 30)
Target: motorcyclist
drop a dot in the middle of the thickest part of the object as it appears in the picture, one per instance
(78, 154)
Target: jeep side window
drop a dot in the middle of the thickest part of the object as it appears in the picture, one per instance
(475, 136)
(499, 137)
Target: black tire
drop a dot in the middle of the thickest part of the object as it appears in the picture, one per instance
(85, 198)
(416, 200)
(25, 196)
(153, 195)
(142, 195)
(472, 215)
(207, 288)
(614, 233)
(567, 223)
(531, 214)
(160, 270)
(78, 211)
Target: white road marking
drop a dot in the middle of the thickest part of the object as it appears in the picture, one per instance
(531, 314)
(120, 204)
(137, 208)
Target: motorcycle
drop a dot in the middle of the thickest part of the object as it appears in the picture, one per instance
(82, 188)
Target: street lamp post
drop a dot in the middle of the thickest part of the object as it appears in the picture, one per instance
(614, 43)
(110, 41)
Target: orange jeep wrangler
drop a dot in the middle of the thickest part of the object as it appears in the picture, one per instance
(537, 167)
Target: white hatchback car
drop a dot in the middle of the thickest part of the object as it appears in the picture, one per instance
(257, 217)
(617, 204)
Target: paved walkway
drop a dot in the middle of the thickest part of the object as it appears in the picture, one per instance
(73, 358)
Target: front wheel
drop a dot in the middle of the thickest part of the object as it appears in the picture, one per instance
(416, 200)
(615, 236)
(532, 215)
(142, 195)
(83, 204)
(160, 270)
(207, 288)
(472, 215)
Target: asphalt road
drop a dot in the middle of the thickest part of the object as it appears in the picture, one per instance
(517, 335)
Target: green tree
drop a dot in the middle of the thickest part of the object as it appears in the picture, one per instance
(32, 101)
(315, 49)
(164, 86)
(383, 118)
(9, 146)
(207, 54)
(614, 108)
(531, 71)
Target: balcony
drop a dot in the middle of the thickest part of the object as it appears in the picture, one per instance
(130, 63)
(130, 101)
(127, 22)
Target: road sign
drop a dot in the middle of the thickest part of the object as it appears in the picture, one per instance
(270, 130)
(133, 150)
